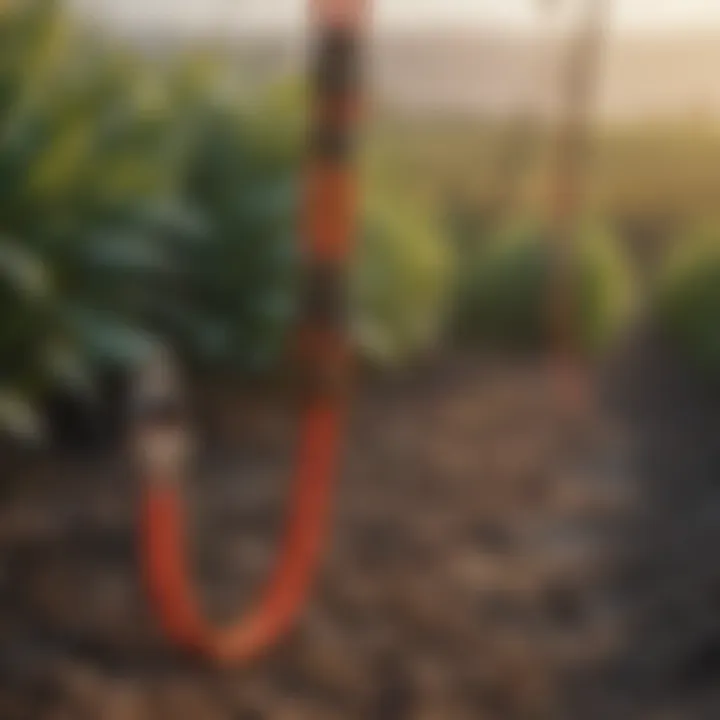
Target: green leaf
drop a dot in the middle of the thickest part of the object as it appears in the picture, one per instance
(19, 417)
(23, 270)
(110, 340)
(174, 217)
(121, 252)
(67, 368)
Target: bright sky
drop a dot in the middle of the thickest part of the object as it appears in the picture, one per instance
(249, 15)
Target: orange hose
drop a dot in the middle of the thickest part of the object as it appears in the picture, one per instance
(169, 577)
(328, 222)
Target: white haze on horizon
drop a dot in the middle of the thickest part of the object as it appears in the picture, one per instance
(252, 16)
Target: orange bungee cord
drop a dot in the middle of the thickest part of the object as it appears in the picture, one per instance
(161, 437)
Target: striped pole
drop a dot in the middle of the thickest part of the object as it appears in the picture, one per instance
(580, 85)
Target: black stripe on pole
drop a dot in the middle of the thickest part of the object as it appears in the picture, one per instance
(337, 72)
(325, 296)
(332, 142)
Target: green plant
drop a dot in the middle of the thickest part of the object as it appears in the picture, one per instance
(234, 302)
(402, 280)
(505, 289)
(243, 290)
(688, 297)
(88, 161)
(141, 203)
(242, 294)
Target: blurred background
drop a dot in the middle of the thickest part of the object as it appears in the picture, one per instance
(491, 557)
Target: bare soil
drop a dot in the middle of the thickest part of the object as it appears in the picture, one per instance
(490, 559)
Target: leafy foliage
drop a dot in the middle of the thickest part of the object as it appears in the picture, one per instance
(87, 162)
(688, 299)
(506, 288)
(235, 299)
(403, 279)
(142, 202)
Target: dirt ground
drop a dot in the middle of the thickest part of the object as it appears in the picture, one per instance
(489, 561)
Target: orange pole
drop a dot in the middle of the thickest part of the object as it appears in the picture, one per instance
(329, 219)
